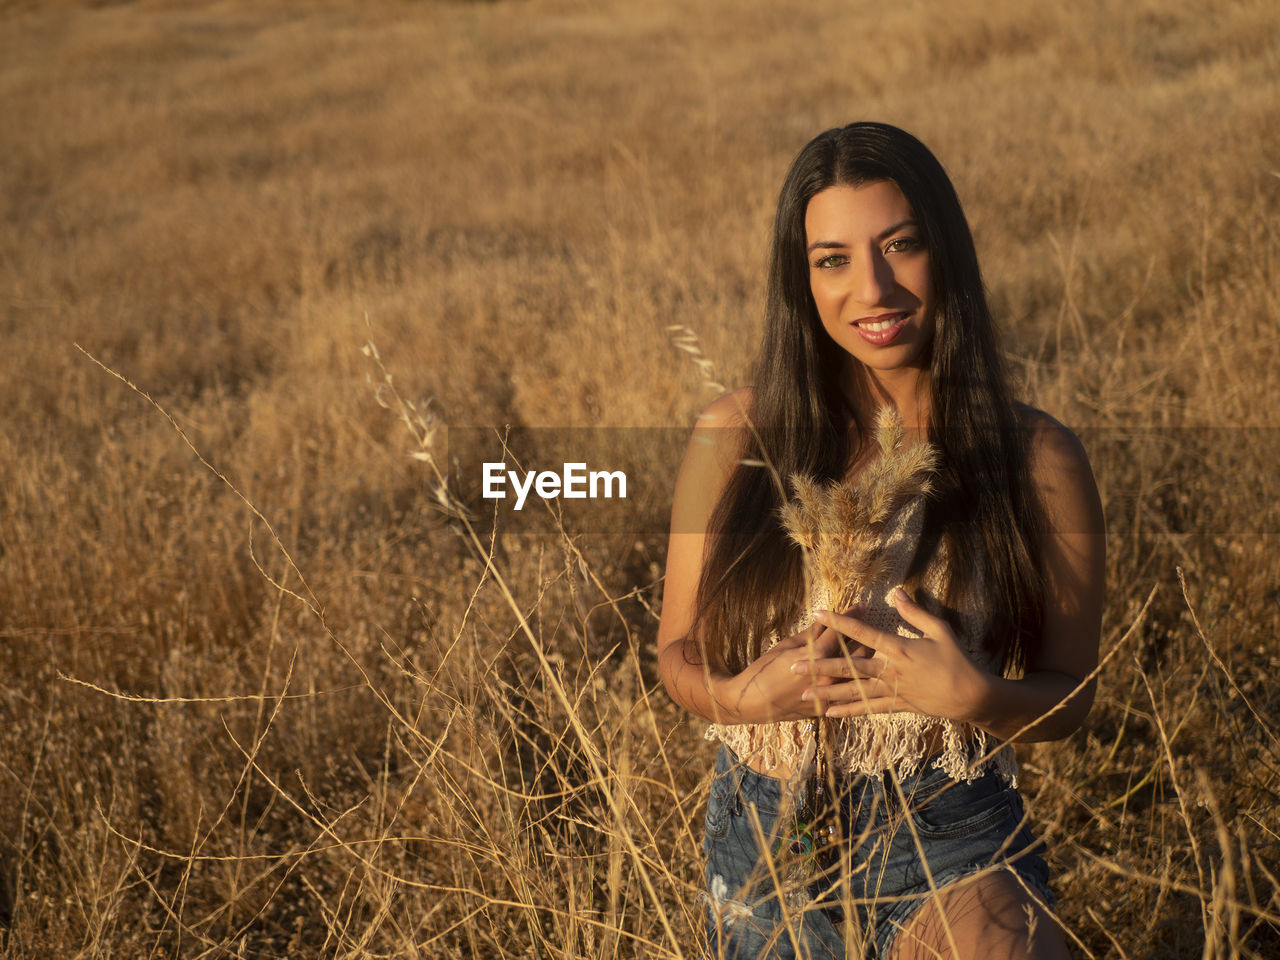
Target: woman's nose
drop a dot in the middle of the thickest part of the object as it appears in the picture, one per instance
(873, 280)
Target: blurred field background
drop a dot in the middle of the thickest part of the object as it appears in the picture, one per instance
(372, 737)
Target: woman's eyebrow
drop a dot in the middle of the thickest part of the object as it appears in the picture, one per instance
(838, 244)
(909, 222)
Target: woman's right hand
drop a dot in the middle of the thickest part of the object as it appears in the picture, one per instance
(768, 690)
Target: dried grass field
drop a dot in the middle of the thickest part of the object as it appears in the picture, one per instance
(262, 696)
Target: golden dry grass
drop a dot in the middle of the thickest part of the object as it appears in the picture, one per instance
(405, 746)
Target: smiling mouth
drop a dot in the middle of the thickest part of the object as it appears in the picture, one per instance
(881, 323)
(882, 329)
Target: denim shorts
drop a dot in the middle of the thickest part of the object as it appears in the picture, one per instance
(884, 872)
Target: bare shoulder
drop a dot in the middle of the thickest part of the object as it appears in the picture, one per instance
(1060, 471)
(734, 409)
(1050, 443)
(720, 432)
(715, 447)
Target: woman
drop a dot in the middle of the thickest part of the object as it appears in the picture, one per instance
(882, 728)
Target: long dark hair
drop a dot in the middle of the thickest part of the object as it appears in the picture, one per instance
(752, 582)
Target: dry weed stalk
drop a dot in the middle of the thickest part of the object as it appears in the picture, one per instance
(604, 779)
(685, 339)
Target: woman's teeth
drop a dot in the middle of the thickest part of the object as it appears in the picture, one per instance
(879, 326)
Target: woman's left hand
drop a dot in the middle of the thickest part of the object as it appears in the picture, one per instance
(930, 674)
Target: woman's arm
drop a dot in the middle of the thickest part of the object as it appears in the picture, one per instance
(1073, 561)
(932, 675)
(696, 676)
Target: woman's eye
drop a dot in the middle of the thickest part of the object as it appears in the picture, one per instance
(834, 260)
(901, 245)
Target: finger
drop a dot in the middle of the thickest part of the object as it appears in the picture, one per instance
(852, 648)
(814, 631)
(853, 691)
(847, 668)
(845, 645)
(814, 643)
(846, 625)
(829, 643)
(916, 615)
(887, 644)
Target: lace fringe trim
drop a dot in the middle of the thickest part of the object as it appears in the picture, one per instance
(872, 745)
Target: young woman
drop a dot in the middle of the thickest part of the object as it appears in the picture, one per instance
(978, 621)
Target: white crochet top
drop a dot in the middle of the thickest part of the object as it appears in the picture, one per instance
(892, 741)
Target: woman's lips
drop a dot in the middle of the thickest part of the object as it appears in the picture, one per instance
(882, 329)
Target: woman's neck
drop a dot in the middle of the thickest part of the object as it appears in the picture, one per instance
(905, 390)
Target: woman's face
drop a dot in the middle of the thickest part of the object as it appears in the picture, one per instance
(869, 273)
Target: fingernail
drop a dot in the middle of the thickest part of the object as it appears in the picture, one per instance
(900, 594)
(799, 667)
(807, 695)
(821, 615)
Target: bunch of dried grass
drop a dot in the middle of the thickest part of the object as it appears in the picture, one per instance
(841, 524)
